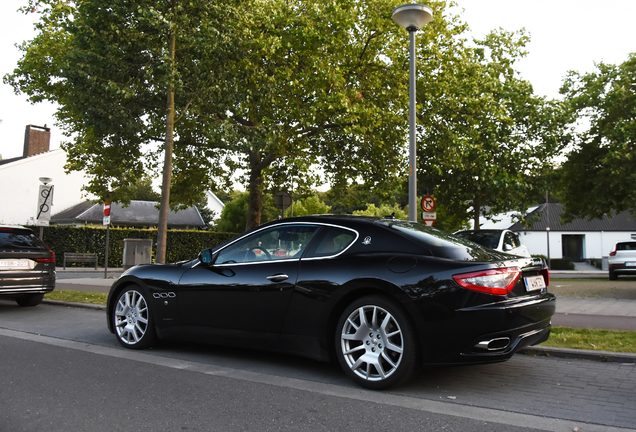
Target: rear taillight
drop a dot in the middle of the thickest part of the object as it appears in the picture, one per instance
(47, 260)
(495, 281)
(613, 253)
(546, 276)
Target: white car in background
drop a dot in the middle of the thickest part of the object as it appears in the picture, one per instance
(502, 240)
(622, 260)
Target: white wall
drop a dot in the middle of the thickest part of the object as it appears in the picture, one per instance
(19, 186)
(597, 244)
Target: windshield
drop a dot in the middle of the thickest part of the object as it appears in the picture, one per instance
(443, 244)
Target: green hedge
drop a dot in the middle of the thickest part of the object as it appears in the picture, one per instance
(180, 245)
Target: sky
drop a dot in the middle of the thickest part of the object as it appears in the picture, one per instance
(566, 35)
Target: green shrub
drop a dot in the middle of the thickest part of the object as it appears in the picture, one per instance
(180, 245)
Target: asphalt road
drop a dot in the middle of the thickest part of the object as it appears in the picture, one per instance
(63, 370)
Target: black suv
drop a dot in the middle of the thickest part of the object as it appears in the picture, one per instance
(27, 266)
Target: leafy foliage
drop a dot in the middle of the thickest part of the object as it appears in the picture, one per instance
(234, 215)
(311, 205)
(599, 174)
(384, 210)
(486, 142)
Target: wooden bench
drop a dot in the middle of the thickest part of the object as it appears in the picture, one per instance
(80, 257)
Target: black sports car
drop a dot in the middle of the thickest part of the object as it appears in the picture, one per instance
(383, 296)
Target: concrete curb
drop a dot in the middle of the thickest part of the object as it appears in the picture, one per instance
(580, 354)
(74, 304)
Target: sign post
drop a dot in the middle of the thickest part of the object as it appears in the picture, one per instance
(107, 223)
(45, 201)
(428, 215)
(282, 200)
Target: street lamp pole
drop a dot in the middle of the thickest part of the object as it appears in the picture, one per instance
(412, 17)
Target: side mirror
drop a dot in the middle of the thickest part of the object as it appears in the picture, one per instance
(206, 256)
(507, 247)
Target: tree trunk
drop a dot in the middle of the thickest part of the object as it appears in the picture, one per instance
(162, 229)
(255, 202)
(477, 211)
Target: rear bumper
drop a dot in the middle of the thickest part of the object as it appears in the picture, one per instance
(16, 283)
(621, 268)
(493, 332)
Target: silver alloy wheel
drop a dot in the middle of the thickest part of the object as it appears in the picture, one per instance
(372, 343)
(131, 317)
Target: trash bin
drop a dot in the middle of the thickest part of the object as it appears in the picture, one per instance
(137, 251)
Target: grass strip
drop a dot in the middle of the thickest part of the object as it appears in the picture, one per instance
(592, 339)
(78, 297)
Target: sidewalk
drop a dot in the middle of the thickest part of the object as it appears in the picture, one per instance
(581, 271)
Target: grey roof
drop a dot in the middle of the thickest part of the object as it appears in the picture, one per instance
(550, 216)
(138, 213)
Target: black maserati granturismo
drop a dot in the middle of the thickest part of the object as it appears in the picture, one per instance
(380, 295)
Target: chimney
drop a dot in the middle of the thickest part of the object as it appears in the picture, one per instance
(37, 139)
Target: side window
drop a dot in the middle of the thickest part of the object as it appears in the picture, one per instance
(334, 241)
(509, 240)
(281, 242)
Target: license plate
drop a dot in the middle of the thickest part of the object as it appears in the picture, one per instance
(16, 264)
(534, 283)
(630, 264)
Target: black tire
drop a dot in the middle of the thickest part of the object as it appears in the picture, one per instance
(380, 350)
(612, 275)
(132, 319)
(28, 300)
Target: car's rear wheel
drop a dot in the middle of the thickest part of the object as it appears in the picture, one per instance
(27, 300)
(132, 319)
(613, 275)
(376, 343)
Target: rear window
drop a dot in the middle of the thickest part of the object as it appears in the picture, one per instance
(13, 239)
(443, 244)
(626, 246)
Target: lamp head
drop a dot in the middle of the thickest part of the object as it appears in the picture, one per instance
(412, 16)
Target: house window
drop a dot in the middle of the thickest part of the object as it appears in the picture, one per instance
(633, 236)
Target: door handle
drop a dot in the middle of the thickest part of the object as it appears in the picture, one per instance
(278, 278)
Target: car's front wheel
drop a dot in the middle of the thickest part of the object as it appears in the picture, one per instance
(27, 300)
(132, 319)
(376, 343)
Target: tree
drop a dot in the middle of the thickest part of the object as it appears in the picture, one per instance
(114, 70)
(485, 141)
(599, 174)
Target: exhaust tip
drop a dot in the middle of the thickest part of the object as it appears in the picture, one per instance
(496, 344)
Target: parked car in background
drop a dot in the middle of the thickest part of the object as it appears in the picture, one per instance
(622, 260)
(379, 295)
(502, 240)
(27, 266)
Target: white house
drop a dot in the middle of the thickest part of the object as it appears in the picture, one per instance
(19, 181)
(578, 240)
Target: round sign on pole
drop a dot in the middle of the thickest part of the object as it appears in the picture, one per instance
(282, 200)
(106, 209)
(428, 203)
